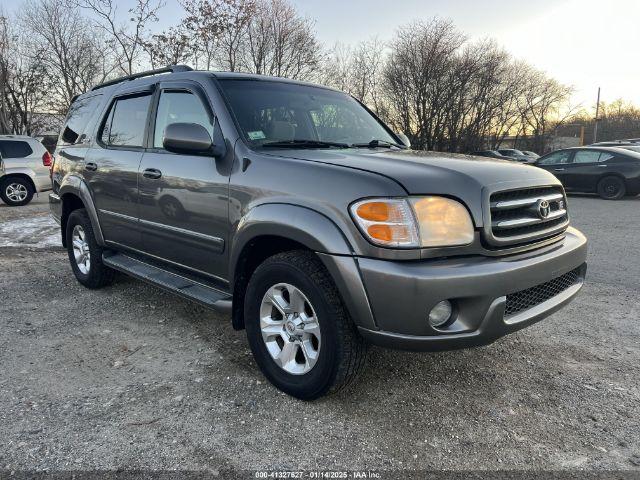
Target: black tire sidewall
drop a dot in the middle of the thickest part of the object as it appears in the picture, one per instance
(621, 188)
(6, 182)
(322, 376)
(91, 279)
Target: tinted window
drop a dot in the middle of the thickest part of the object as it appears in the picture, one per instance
(126, 122)
(555, 158)
(591, 156)
(510, 152)
(78, 118)
(586, 156)
(14, 149)
(179, 107)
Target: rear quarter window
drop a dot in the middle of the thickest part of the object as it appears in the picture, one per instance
(15, 149)
(79, 119)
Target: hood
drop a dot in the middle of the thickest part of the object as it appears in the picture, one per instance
(434, 173)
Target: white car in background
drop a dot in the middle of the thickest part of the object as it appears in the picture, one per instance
(24, 169)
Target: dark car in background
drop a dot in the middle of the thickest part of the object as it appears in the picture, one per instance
(611, 172)
(618, 143)
(490, 154)
(531, 154)
(514, 154)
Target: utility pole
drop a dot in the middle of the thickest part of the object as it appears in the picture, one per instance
(595, 127)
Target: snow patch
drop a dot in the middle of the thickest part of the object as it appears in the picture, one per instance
(33, 232)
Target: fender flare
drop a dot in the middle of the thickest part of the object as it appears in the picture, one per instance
(303, 225)
(319, 234)
(75, 185)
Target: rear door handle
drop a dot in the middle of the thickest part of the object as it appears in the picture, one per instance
(602, 166)
(152, 173)
(559, 169)
(91, 166)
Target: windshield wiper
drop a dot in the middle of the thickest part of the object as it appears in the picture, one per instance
(304, 143)
(377, 143)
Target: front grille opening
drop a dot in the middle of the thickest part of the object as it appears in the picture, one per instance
(525, 299)
(527, 215)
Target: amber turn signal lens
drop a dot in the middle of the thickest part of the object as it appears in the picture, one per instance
(386, 221)
(380, 232)
(373, 211)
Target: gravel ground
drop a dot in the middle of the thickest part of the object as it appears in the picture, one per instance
(129, 377)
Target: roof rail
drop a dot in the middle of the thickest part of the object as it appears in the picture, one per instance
(148, 73)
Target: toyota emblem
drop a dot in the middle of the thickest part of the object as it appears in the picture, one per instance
(544, 209)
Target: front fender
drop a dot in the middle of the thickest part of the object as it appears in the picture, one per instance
(317, 233)
(75, 185)
(301, 224)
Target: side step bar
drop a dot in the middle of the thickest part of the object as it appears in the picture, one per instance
(203, 294)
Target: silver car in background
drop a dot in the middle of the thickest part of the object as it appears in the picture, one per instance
(24, 169)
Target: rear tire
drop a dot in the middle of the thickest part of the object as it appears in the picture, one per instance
(85, 255)
(611, 188)
(327, 351)
(16, 191)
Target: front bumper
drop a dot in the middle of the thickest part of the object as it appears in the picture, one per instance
(401, 295)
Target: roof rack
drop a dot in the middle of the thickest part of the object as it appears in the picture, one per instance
(148, 73)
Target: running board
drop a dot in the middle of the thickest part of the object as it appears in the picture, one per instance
(172, 282)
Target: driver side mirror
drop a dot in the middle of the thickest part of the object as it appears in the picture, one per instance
(404, 139)
(189, 138)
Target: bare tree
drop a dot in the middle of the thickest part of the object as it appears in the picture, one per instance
(357, 71)
(126, 39)
(416, 79)
(170, 48)
(24, 83)
(205, 23)
(542, 106)
(237, 15)
(280, 42)
(66, 46)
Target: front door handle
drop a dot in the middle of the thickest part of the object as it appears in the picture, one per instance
(152, 173)
(559, 169)
(91, 166)
(603, 166)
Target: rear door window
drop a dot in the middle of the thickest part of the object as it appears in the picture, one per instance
(586, 156)
(14, 149)
(126, 122)
(78, 119)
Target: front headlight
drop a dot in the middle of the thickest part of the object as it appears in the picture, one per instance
(414, 222)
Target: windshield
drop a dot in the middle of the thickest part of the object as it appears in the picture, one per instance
(312, 117)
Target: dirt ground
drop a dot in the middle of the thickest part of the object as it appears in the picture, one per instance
(129, 377)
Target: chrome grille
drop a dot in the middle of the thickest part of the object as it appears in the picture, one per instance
(526, 215)
(525, 299)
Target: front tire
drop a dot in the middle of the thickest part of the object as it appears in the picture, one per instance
(85, 255)
(611, 188)
(298, 328)
(16, 191)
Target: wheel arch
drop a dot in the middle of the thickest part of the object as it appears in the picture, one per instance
(275, 228)
(21, 173)
(75, 194)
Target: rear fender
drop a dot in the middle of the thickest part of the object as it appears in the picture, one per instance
(75, 185)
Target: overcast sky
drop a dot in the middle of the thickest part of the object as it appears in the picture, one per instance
(584, 43)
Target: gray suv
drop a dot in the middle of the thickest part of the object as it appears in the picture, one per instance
(296, 210)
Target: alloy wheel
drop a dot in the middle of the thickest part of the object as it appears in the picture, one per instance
(290, 328)
(16, 192)
(81, 251)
